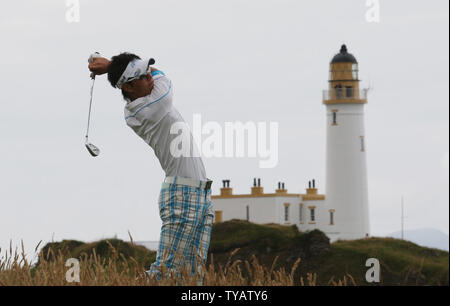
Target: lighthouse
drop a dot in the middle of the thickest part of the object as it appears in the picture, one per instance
(346, 147)
(343, 211)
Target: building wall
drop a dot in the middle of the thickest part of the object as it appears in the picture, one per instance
(261, 210)
(292, 203)
(272, 210)
(346, 177)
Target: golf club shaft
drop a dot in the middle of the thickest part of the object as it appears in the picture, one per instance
(90, 106)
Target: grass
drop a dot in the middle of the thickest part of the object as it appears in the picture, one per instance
(402, 262)
(104, 248)
(241, 253)
(118, 270)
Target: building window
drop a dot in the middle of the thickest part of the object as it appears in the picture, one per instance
(313, 214)
(338, 91)
(301, 213)
(334, 114)
(363, 145)
(355, 71)
(331, 217)
(349, 91)
(286, 212)
(248, 213)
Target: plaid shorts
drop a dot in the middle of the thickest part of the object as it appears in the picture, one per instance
(187, 217)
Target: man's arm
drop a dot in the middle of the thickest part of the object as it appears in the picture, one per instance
(99, 65)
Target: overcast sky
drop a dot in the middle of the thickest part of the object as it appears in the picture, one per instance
(231, 60)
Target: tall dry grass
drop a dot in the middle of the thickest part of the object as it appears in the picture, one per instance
(16, 270)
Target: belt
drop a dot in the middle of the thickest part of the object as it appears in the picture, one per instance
(189, 182)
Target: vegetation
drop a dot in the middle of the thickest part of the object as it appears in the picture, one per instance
(241, 253)
(402, 262)
(103, 248)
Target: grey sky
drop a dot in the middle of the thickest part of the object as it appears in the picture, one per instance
(229, 60)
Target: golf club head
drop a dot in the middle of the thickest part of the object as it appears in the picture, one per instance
(92, 149)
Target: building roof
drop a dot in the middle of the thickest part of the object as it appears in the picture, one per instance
(311, 194)
(344, 57)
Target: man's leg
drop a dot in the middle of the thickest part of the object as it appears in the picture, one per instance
(155, 268)
(198, 253)
(179, 214)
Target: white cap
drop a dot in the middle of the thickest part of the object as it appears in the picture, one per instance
(134, 70)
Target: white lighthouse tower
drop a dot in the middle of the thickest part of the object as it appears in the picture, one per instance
(346, 170)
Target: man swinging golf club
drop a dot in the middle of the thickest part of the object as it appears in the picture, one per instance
(185, 198)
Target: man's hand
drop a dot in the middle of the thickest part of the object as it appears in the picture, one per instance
(99, 65)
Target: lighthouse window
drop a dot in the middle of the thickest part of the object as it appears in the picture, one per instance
(331, 217)
(313, 215)
(248, 213)
(349, 91)
(363, 145)
(286, 213)
(355, 71)
(338, 91)
(334, 114)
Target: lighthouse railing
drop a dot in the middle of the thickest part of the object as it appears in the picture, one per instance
(345, 94)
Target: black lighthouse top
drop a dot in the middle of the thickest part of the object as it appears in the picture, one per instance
(344, 57)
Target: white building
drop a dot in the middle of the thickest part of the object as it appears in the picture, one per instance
(344, 212)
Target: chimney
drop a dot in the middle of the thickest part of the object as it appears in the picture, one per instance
(226, 191)
(257, 189)
(311, 187)
(281, 190)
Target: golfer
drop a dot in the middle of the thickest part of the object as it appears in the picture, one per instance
(185, 204)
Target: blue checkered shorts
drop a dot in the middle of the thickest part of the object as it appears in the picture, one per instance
(187, 217)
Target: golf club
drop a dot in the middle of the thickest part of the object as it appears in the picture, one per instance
(93, 150)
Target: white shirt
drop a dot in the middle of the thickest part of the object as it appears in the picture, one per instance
(152, 117)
